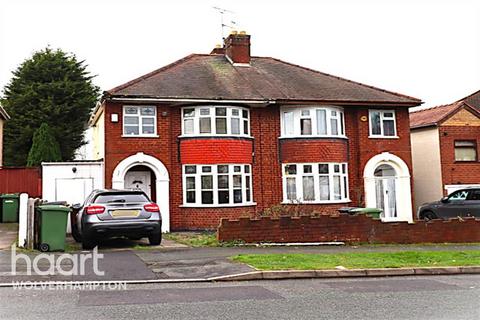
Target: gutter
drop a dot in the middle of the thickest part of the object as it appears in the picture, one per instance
(184, 100)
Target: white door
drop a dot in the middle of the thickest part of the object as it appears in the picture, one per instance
(385, 191)
(139, 180)
(386, 197)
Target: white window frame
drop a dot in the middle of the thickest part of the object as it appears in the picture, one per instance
(344, 192)
(381, 135)
(140, 121)
(297, 116)
(212, 116)
(214, 173)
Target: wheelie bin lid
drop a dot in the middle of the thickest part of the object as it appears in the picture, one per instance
(367, 210)
(52, 207)
(10, 196)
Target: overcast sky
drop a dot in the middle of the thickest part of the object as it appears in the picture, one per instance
(426, 49)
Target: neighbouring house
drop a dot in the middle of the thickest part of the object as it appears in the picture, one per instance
(3, 117)
(226, 134)
(444, 148)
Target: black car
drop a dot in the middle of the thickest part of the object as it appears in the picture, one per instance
(460, 203)
(116, 213)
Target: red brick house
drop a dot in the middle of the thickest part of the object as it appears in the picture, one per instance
(226, 134)
(444, 148)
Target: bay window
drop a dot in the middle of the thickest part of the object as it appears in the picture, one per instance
(215, 120)
(315, 182)
(217, 185)
(312, 121)
(139, 121)
(382, 123)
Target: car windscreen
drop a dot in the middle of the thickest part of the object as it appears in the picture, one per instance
(121, 198)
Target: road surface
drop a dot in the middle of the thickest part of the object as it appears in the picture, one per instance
(429, 297)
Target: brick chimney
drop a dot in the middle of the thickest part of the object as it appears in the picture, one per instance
(237, 47)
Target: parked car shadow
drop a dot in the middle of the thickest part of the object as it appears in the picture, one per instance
(112, 244)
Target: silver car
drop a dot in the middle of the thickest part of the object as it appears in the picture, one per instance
(116, 213)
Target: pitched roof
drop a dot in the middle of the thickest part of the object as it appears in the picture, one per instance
(473, 99)
(213, 77)
(4, 113)
(433, 116)
(436, 115)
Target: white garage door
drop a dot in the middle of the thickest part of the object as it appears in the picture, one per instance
(73, 190)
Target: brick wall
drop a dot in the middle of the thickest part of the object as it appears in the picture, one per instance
(349, 229)
(313, 150)
(216, 151)
(458, 172)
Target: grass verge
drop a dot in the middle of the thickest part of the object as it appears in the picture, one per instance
(194, 239)
(360, 260)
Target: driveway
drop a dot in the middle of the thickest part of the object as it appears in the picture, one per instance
(8, 235)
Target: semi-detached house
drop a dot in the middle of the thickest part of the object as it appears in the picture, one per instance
(226, 134)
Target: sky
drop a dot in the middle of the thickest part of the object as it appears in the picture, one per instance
(426, 49)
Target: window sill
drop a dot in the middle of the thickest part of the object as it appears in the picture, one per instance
(383, 137)
(141, 136)
(313, 137)
(214, 136)
(318, 202)
(251, 204)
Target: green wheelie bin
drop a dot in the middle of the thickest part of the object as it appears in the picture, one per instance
(372, 212)
(9, 207)
(52, 226)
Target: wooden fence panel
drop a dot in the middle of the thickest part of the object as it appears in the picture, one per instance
(17, 180)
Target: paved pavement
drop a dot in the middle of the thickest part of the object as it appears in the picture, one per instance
(433, 297)
(176, 262)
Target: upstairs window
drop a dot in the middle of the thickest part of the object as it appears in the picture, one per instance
(313, 122)
(139, 121)
(382, 123)
(465, 150)
(215, 120)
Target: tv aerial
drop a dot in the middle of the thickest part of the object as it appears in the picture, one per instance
(232, 24)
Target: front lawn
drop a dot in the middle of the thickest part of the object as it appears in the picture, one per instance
(194, 239)
(360, 260)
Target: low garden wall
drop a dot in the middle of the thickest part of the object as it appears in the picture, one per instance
(347, 228)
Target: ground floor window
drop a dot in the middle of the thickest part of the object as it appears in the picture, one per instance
(222, 184)
(315, 182)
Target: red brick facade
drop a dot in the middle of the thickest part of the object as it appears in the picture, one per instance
(215, 151)
(265, 152)
(349, 229)
(454, 172)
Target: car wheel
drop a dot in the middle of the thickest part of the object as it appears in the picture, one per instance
(155, 239)
(76, 234)
(429, 215)
(88, 244)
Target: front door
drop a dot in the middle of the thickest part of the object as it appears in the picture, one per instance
(385, 191)
(139, 180)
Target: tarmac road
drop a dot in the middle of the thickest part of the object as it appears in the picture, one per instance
(432, 297)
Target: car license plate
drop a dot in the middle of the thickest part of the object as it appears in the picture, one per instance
(125, 213)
